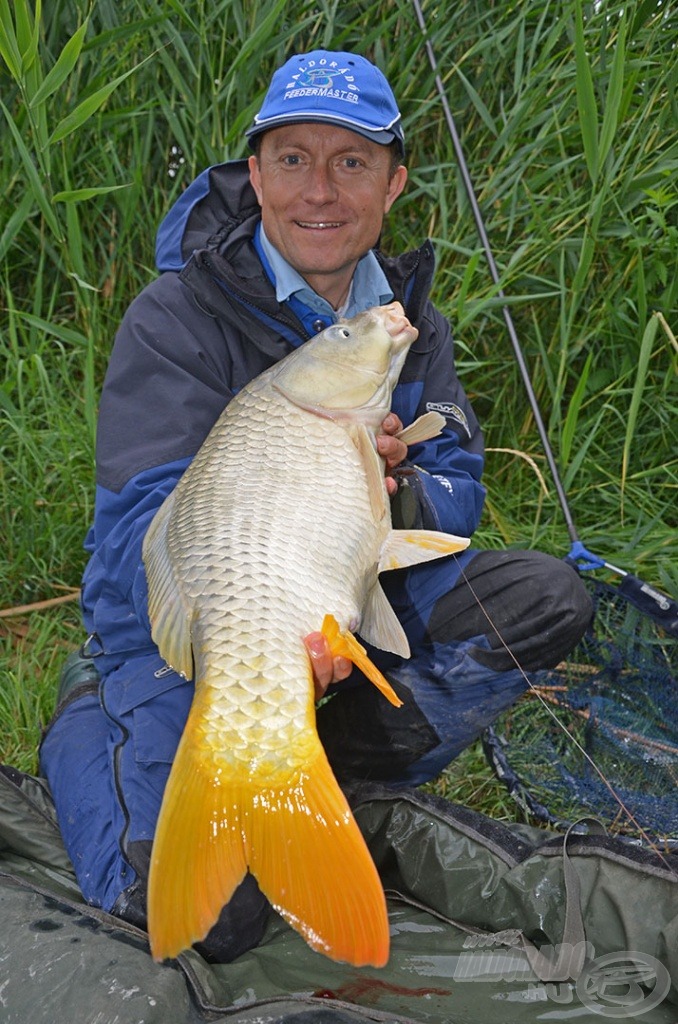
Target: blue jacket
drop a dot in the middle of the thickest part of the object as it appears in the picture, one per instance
(196, 335)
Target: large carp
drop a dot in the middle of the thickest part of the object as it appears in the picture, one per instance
(279, 528)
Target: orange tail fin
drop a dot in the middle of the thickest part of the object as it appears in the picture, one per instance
(295, 833)
(345, 644)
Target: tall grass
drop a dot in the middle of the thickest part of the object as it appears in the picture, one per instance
(568, 118)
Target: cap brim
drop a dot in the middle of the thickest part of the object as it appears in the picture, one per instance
(382, 136)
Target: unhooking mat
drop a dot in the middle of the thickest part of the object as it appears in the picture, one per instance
(489, 924)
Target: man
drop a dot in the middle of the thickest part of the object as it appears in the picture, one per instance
(256, 257)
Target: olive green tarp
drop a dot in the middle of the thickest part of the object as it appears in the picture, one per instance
(490, 924)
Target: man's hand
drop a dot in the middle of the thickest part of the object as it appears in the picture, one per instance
(326, 669)
(391, 449)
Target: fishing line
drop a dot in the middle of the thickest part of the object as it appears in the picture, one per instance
(536, 692)
(652, 602)
(659, 607)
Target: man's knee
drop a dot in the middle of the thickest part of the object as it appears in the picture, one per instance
(532, 608)
(558, 605)
(449, 699)
(94, 792)
(366, 737)
(575, 601)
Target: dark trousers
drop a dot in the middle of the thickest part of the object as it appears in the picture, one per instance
(532, 608)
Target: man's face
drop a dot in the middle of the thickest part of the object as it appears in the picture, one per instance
(323, 193)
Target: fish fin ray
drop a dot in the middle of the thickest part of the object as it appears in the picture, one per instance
(374, 469)
(312, 832)
(403, 548)
(170, 618)
(423, 429)
(380, 625)
(192, 876)
(343, 643)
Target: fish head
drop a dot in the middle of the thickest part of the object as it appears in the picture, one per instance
(349, 370)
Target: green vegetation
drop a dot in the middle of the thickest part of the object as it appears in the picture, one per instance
(569, 120)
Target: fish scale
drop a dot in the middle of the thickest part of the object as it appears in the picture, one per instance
(277, 529)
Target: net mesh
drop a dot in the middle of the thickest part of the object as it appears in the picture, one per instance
(615, 700)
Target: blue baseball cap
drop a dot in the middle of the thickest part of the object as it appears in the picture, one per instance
(331, 88)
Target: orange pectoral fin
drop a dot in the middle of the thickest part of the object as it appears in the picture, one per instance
(344, 644)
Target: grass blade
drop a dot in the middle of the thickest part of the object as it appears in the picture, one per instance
(9, 46)
(79, 195)
(586, 99)
(89, 106)
(637, 395)
(27, 32)
(615, 91)
(37, 187)
(65, 64)
(15, 223)
(572, 418)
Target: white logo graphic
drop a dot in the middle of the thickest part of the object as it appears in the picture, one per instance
(450, 411)
(324, 78)
(618, 986)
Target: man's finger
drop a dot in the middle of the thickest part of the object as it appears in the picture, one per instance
(392, 424)
(326, 669)
(391, 449)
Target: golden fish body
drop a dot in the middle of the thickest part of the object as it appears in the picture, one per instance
(282, 536)
(281, 519)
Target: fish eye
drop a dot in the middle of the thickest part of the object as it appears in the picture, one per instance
(337, 332)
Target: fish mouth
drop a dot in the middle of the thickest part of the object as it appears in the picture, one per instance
(398, 326)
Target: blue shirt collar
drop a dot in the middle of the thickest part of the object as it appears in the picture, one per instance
(368, 288)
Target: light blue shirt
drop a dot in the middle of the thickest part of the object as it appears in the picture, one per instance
(369, 286)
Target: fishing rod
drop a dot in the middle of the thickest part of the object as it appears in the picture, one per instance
(652, 602)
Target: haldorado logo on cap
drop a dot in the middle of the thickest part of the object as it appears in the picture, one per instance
(323, 78)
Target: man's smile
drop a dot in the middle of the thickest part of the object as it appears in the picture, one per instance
(318, 224)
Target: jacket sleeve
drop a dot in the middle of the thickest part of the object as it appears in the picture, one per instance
(440, 486)
(115, 591)
(164, 388)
